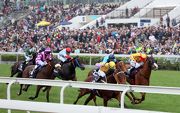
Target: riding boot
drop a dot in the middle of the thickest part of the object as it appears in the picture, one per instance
(33, 73)
(130, 70)
(24, 65)
(21, 67)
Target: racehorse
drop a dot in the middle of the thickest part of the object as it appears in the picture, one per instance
(142, 77)
(44, 73)
(117, 77)
(16, 65)
(68, 71)
(47, 72)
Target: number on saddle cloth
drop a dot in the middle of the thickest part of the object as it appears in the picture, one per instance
(96, 75)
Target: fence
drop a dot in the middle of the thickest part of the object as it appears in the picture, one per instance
(176, 58)
(61, 107)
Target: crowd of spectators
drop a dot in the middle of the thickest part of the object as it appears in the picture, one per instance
(121, 40)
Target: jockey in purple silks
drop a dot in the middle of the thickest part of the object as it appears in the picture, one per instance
(41, 59)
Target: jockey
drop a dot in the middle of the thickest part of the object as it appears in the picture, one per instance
(41, 61)
(104, 69)
(136, 60)
(29, 52)
(109, 58)
(106, 59)
(64, 55)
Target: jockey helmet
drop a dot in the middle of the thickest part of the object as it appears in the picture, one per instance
(68, 49)
(47, 50)
(143, 57)
(112, 65)
(111, 57)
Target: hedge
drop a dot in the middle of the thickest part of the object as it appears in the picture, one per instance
(164, 64)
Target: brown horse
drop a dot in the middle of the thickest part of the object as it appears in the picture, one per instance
(67, 72)
(142, 77)
(117, 77)
(45, 73)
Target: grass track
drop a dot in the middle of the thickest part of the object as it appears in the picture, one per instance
(156, 102)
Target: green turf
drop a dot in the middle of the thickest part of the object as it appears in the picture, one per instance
(155, 102)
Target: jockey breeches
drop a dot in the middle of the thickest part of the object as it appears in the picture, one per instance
(63, 59)
(101, 73)
(136, 64)
(27, 59)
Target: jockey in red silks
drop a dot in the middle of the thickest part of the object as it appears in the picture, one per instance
(64, 55)
(41, 59)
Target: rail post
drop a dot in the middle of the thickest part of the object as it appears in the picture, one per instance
(62, 93)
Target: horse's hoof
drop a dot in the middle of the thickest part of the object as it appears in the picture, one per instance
(18, 94)
(31, 98)
(138, 101)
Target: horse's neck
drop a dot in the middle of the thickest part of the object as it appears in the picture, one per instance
(69, 66)
(49, 67)
(146, 70)
(121, 66)
(111, 79)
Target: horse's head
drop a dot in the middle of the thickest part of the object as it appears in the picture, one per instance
(120, 65)
(119, 74)
(152, 63)
(77, 63)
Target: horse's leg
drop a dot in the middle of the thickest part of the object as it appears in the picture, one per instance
(74, 79)
(20, 90)
(37, 92)
(105, 100)
(91, 96)
(19, 75)
(94, 99)
(26, 87)
(13, 70)
(47, 93)
(82, 93)
(12, 73)
(130, 98)
(142, 98)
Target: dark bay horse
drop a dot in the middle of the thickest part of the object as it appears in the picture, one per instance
(16, 65)
(45, 73)
(142, 77)
(68, 70)
(117, 77)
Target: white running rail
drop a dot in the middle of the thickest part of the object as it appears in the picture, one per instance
(13, 104)
(176, 57)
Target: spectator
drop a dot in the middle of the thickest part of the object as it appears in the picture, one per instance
(168, 20)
